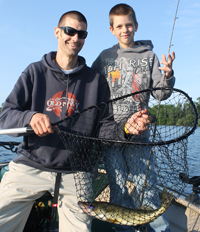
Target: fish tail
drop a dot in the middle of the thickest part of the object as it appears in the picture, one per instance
(166, 201)
(166, 198)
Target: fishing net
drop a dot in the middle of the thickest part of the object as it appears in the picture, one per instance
(125, 178)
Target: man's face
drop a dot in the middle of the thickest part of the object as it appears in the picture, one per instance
(70, 46)
(124, 29)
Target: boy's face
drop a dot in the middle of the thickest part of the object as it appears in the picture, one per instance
(124, 29)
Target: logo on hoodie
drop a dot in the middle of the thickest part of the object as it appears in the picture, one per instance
(62, 105)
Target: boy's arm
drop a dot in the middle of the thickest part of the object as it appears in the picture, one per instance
(138, 123)
(166, 80)
(97, 64)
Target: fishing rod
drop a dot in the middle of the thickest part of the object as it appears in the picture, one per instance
(175, 18)
(170, 45)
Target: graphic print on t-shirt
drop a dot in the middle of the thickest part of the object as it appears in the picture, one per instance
(126, 76)
(61, 106)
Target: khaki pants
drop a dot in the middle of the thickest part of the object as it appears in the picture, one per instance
(22, 184)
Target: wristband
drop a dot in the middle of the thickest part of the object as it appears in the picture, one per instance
(125, 129)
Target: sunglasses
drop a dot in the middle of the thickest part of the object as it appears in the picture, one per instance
(71, 32)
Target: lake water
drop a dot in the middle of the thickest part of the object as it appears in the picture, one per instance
(192, 154)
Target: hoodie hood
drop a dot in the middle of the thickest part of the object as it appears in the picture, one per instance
(48, 61)
(140, 46)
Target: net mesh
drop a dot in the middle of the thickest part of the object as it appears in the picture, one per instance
(130, 181)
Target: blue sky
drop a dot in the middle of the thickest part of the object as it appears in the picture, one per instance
(27, 32)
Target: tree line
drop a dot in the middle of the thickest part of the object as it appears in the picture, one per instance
(177, 115)
(172, 115)
(197, 103)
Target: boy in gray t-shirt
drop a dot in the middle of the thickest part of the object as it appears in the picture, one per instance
(131, 66)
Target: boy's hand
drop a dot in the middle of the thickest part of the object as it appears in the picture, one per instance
(167, 69)
(41, 124)
(138, 122)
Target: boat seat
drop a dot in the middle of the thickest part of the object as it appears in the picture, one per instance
(3, 170)
(195, 181)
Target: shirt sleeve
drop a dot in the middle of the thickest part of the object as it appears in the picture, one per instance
(97, 64)
(16, 111)
(159, 80)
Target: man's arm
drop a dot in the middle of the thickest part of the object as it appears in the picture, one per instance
(16, 111)
(41, 124)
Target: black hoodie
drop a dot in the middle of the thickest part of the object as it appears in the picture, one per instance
(43, 87)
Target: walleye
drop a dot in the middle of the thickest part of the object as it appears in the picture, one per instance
(125, 216)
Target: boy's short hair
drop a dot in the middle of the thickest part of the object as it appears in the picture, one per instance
(121, 9)
(72, 14)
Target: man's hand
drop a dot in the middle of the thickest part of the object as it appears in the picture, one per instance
(138, 122)
(41, 124)
(167, 69)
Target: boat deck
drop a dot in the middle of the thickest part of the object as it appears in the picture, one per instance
(183, 216)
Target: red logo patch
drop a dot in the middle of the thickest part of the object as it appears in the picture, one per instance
(58, 103)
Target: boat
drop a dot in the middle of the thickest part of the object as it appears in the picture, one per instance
(183, 214)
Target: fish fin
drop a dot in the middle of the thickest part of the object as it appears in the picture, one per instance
(113, 221)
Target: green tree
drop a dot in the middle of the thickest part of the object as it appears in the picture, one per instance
(174, 115)
(198, 108)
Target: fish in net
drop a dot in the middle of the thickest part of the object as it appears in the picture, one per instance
(131, 179)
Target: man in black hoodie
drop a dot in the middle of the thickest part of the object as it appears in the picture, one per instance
(49, 90)
(55, 87)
